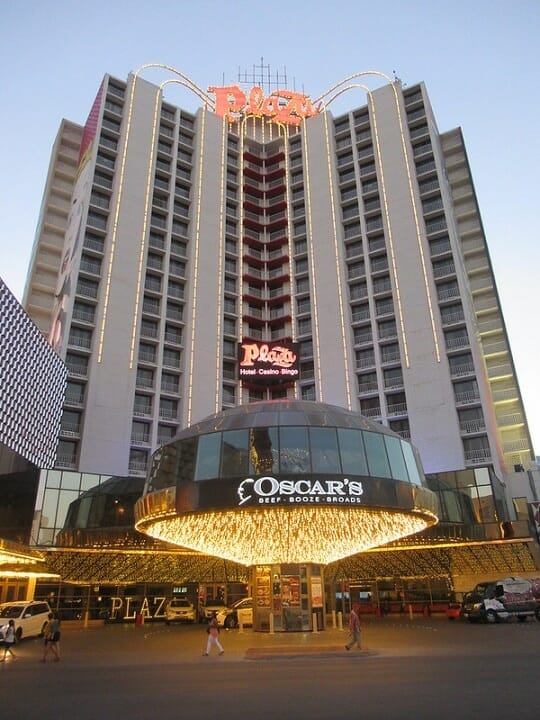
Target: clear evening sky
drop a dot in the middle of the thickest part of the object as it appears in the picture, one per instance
(478, 59)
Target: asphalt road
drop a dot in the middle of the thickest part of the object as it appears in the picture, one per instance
(421, 668)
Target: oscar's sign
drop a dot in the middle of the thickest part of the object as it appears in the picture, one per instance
(280, 106)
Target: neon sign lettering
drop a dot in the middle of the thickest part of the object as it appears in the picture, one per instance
(280, 106)
(268, 489)
(281, 356)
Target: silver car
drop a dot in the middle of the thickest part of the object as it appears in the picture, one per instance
(180, 610)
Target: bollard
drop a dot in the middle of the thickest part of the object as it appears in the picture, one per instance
(340, 620)
(271, 623)
(410, 612)
(334, 625)
(315, 623)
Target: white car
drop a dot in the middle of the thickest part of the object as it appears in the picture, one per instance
(240, 613)
(180, 610)
(30, 617)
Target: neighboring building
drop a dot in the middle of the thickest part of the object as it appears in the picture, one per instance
(358, 238)
(30, 412)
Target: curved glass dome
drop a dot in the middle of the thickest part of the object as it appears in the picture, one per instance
(285, 481)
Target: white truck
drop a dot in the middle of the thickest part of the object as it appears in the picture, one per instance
(498, 600)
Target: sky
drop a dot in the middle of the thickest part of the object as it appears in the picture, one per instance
(478, 61)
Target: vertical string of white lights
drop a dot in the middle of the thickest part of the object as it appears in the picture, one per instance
(112, 249)
(313, 284)
(283, 131)
(417, 225)
(389, 228)
(341, 290)
(242, 130)
(195, 274)
(145, 225)
(220, 274)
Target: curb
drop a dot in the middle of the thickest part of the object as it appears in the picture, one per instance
(317, 651)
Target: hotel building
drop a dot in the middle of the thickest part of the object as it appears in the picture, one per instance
(170, 237)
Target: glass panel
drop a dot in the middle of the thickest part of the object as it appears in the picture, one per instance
(395, 455)
(71, 481)
(294, 450)
(235, 455)
(324, 450)
(353, 457)
(486, 505)
(263, 450)
(482, 476)
(187, 450)
(89, 480)
(208, 456)
(54, 478)
(412, 467)
(451, 509)
(376, 455)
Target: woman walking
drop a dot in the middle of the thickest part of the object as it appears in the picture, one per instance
(9, 640)
(213, 633)
(52, 638)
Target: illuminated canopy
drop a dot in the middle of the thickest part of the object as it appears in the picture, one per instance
(285, 482)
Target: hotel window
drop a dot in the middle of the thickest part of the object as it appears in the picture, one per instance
(170, 383)
(229, 326)
(80, 338)
(149, 328)
(229, 348)
(178, 248)
(387, 329)
(229, 394)
(174, 311)
(303, 306)
(151, 305)
(147, 353)
(168, 409)
(304, 326)
(171, 358)
(177, 268)
(230, 266)
(302, 285)
(301, 266)
(308, 392)
(142, 405)
(145, 378)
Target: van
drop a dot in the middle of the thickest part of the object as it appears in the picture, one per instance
(498, 600)
(30, 616)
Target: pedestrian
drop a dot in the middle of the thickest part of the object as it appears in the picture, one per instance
(213, 635)
(354, 628)
(9, 640)
(52, 638)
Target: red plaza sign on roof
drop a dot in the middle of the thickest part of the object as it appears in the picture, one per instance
(280, 106)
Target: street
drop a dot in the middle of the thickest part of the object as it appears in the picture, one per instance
(420, 668)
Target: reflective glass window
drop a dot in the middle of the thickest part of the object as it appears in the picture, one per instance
(351, 448)
(235, 453)
(376, 455)
(412, 467)
(294, 450)
(187, 450)
(324, 450)
(208, 456)
(397, 461)
(263, 450)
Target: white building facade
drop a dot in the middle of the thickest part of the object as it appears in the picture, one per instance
(168, 237)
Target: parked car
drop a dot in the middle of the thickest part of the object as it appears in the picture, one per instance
(30, 617)
(213, 606)
(240, 613)
(180, 610)
(502, 599)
